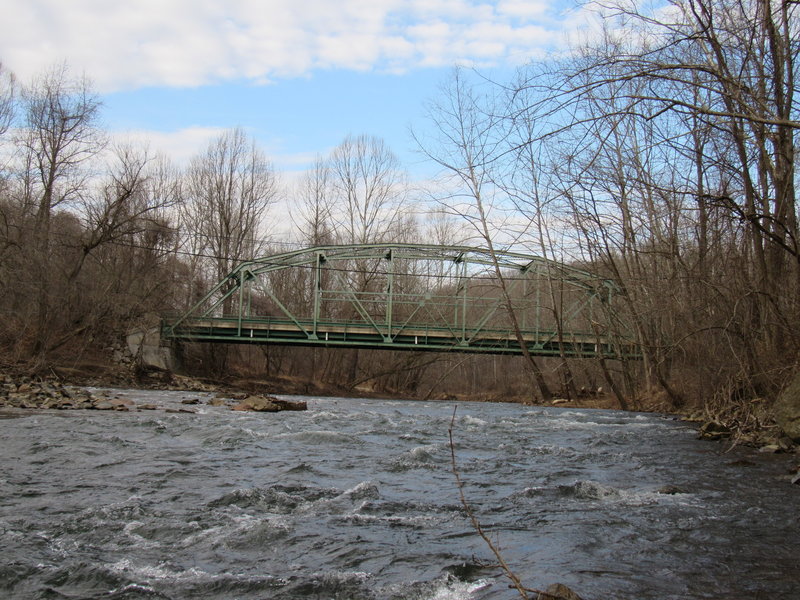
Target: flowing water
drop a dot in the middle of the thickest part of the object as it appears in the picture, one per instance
(355, 499)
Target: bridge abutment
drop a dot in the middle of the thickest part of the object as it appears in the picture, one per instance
(149, 350)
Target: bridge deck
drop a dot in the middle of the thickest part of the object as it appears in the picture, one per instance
(306, 332)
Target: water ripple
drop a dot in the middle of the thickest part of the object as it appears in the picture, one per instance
(356, 499)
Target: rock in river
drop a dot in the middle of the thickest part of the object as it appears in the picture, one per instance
(268, 404)
(713, 430)
(560, 591)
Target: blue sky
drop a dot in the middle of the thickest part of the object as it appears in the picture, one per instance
(297, 75)
(295, 119)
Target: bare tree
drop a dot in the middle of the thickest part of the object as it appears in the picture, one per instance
(130, 203)
(7, 99)
(112, 268)
(313, 213)
(671, 139)
(442, 227)
(85, 248)
(469, 139)
(229, 189)
(7, 106)
(369, 190)
(58, 138)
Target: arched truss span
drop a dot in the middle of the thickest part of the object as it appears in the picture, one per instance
(409, 297)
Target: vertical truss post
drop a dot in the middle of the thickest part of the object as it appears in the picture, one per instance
(243, 285)
(609, 328)
(241, 302)
(525, 301)
(317, 291)
(389, 295)
(249, 299)
(457, 261)
(538, 305)
(464, 303)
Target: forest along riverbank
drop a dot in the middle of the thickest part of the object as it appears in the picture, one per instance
(355, 498)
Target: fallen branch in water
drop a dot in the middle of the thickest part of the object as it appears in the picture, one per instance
(476, 524)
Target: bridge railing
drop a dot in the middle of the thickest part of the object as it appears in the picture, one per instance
(419, 337)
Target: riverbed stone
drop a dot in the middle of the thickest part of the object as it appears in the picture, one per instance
(562, 592)
(671, 490)
(268, 404)
(290, 404)
(787, 409)
(257, 404)
(53, 395)
(714, 430)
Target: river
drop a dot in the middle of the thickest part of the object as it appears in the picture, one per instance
(355, 499)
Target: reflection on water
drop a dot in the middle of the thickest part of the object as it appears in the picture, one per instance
(354, 499)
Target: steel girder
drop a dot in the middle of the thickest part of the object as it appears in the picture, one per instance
(407, 296)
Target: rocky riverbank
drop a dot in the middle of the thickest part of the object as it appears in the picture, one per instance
(27, 393)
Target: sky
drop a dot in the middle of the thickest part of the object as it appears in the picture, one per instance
(297, 75)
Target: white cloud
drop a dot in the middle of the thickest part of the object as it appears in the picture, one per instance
(125, 45)
(180, 146)
(183, 144)
(523, 9)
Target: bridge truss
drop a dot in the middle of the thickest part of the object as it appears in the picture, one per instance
(409, 297)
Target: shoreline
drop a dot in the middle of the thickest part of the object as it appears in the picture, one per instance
(238, 388)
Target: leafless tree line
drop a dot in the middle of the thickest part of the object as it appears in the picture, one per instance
(661, 152)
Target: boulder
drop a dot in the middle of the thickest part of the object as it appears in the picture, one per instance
(787, 409)
(770, 449)
(671, 490)
(116, 401)
(290, 405)
(268, 404)
(562, 592)
(713, 430)
(257, 404)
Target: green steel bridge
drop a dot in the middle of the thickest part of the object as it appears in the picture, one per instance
(410, 297)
